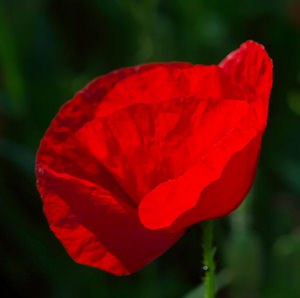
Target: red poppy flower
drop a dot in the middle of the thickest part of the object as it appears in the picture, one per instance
(142, 153)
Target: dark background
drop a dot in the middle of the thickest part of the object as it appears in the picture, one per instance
(51, 49)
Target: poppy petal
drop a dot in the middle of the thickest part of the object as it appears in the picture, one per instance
(206, 191)
(251, 68)
(95, 228)
(86, 208)
(177, 196)
(218, 199)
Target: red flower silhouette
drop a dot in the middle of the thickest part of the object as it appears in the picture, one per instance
(142, 153)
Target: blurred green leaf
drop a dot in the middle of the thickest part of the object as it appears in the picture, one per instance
(294, 101)
(10, 65)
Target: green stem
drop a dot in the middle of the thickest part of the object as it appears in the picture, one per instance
(209, 265)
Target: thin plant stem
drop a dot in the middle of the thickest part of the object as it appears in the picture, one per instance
(209, 265)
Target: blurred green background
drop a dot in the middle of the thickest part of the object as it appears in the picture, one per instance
(49, 49)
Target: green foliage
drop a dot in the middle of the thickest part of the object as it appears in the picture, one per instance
(50, 48)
